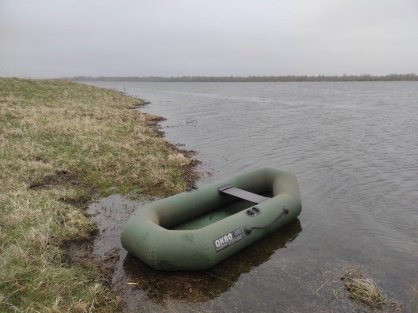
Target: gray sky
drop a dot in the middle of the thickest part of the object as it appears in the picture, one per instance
(53, 38)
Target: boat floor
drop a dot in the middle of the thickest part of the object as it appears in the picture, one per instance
(214, 216)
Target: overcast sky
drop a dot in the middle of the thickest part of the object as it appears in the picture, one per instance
(51, 38)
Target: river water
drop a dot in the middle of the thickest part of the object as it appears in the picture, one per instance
(354, 149)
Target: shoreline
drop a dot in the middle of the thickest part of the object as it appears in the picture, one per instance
(255, 78)
(65, 145)
(60, 220)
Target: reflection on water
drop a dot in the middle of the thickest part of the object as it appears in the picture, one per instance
(353, 147)
(135, 280)
(203, 286)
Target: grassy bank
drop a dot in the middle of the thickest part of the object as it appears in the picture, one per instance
(61, 144)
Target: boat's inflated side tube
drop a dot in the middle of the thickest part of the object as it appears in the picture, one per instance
(149, 236)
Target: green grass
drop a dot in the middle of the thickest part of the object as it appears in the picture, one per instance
(62, 143)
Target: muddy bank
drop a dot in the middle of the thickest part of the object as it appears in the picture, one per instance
(64, 144)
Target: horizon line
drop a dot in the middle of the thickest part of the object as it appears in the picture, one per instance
(252, 78)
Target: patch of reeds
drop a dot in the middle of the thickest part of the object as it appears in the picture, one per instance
(363, 289)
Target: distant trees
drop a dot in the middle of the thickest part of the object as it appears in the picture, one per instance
(287, 78)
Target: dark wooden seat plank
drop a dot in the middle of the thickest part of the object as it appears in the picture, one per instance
(242, 194)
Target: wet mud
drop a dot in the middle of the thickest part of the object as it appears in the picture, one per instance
(61, 177)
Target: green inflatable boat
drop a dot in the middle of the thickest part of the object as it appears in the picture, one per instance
(197, 229)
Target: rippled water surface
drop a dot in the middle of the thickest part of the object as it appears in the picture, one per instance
(354, 149)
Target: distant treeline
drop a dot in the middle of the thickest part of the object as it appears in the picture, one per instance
(288, 78)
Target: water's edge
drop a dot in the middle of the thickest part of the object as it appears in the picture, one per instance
(354, 161)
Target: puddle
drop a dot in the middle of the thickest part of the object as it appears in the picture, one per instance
(142, 288)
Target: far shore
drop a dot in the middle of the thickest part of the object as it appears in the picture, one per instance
(255, 79)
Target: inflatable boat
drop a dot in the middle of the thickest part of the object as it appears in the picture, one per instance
(197, 229)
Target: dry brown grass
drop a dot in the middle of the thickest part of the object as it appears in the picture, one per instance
(60, 144)
(363, 289)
